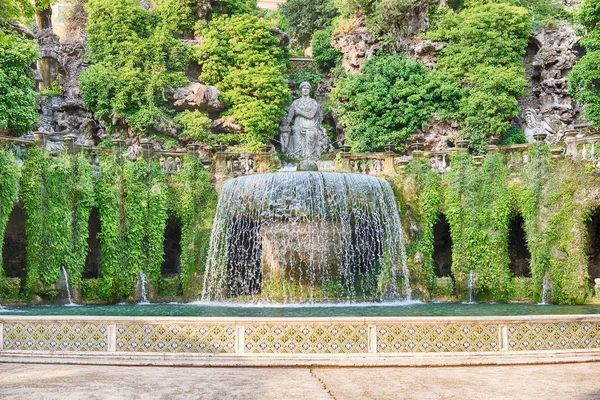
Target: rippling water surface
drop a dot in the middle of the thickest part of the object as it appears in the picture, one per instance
(226, 309)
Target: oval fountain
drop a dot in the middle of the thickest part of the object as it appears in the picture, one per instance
(306, 236)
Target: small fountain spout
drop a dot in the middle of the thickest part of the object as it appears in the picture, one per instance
(143, 282)
(66, 280)
(471, 286)
(544, 300)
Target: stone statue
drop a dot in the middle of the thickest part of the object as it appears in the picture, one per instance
(306, 138)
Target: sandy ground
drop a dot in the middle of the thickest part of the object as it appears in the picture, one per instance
(555, 381)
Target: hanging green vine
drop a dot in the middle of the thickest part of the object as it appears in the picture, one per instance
(132, 199)
(9, 185)
(419, 195)
(193, 202)
(479, 208)
(555, 201)
(81, 202)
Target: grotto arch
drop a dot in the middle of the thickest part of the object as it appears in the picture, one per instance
(93, 261)
(518, 252)
(593, 230)
(442, 247)
(171, 265)
(14, 245)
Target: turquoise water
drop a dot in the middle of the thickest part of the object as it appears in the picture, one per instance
(412, 309)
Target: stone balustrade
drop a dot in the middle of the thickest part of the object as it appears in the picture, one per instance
(515, 156)
(584, 148)
(578, 146)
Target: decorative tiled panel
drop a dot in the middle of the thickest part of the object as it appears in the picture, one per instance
(176, 338)
(554, 336)
(426, 338)
(55, 337)
(306, 338)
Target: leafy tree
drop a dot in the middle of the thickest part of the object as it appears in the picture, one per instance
(232, 7)
(135, 59)
(394, 97)
(541, 11)
(15, 10)
(584, 78)
(305, 17)
(195, 125)
(18, 110)
(243, 59)
(485, 44)
(324, 54)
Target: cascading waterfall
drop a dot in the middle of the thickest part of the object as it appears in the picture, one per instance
(297, 236)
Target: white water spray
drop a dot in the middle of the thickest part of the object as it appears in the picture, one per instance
(303, 233)
(143, 282)
(66, 279)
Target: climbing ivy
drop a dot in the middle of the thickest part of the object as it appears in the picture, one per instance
(193, 202)
(419, 194)
(57, 198)
(132, 199)
(554, 200)
(9, 184)
(479, 208)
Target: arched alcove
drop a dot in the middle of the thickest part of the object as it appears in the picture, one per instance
(14, 245)
(442, 247)
(593, 228)
(172, 248)
(518, 251)
(93, 261)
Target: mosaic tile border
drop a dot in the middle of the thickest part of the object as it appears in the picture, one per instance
(429, 338)
(146, 338)
(298, 336)
(306, 338)
(553, 336)
(54, 337)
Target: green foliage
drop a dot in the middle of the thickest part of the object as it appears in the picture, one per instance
(193, 202)
(324, 54)
(422, 200)
(243, 59)
(90, 289)
(311, 76)
(232, 7)
(553, 207)
(305, 17)
(483, 57)
(15, 10)
(584, 78)
(541, 12)
(169, 286)
(522, 288)
(513, 136)
(479, 208)
(18, 110)
(9, 185)
(394, 97)
(135, 58)
(195, 125)
(132, 199)
(57, 197)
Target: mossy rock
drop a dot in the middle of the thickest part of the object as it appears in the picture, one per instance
(90, 289)
(169, 286)
(443, 286)
(12, 288)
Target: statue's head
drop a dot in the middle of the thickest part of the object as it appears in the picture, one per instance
(305, 88)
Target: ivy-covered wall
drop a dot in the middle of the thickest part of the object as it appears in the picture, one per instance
(134, 199)
(554, 198)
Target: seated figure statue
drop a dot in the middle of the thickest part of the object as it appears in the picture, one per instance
(307, 138)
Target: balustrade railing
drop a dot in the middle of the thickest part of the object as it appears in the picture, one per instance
(585, 149)
(578, 146)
